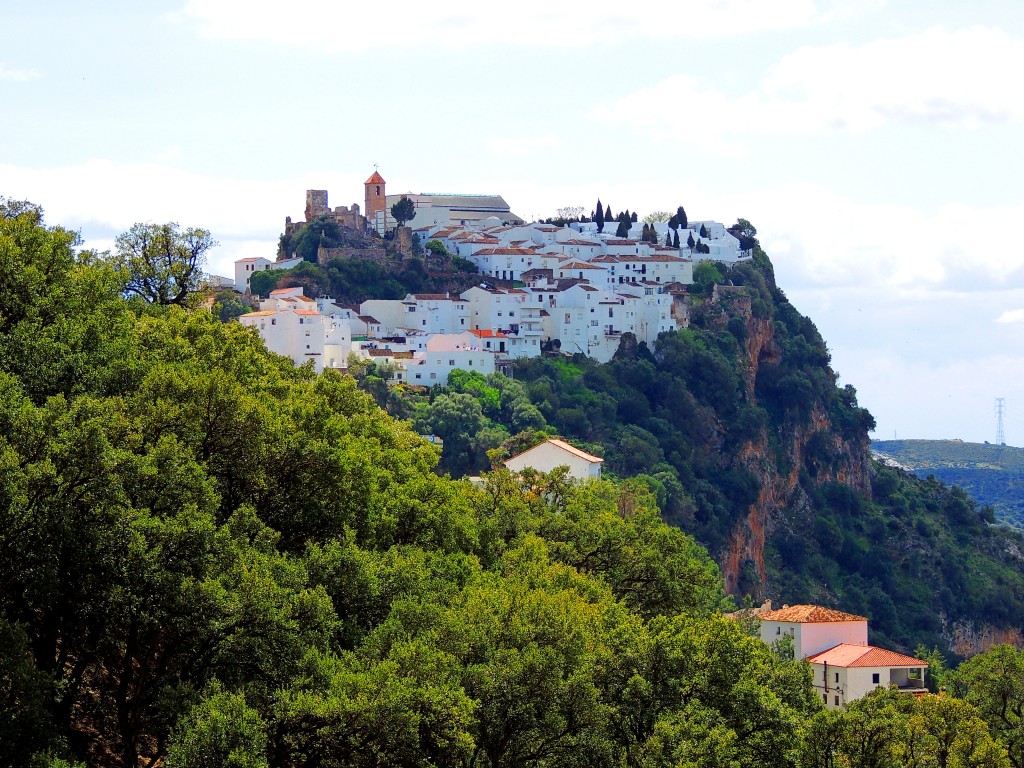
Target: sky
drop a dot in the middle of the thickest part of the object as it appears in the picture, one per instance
(876, 145)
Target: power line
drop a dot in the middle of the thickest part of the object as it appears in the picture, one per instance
(1000, 407)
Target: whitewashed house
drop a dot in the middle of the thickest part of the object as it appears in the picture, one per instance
(835, 644)
(554, 453)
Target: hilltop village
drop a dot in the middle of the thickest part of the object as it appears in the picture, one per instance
(573, 287)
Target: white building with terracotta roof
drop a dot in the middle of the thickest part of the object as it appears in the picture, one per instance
(835, 644)
(850, 671)
(291, 325)
(554, 453)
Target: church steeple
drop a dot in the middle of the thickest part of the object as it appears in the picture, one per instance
(376, 197)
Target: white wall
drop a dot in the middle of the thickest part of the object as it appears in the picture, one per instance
(546, 457)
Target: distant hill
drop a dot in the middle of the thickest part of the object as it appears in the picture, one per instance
(992, 474)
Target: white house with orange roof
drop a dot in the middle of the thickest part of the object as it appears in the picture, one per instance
(835, 644)
(555, 453)
(292, 325)
(850, 671)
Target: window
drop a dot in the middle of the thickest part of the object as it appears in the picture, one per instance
(778, 630)
(837, 677)
(273, 321)
(378, 189)
(875, 678)
(424, 321)
(837, 701)
(824, 697)
(301, 321)
(451, 362)
(433, 375)
(419, 375)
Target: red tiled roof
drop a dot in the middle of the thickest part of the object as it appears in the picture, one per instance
(578, 265)
(852, 655)
(809, 614)
(306, 312)
(488, 334)
(430, 296)
(621, 242)
(375, 179)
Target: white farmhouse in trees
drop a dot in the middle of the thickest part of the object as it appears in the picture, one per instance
(835, 644)
(557, 453)
(847, 672)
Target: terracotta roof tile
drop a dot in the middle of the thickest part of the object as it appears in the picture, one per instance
(375, 179)
(809, 614)
(852, 655)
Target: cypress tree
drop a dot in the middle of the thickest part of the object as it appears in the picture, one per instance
(608, 213)
(681, 216)
(703, 231)
(633, 217)
(689, 241)
(599, 216)
(675, 240)
(623, 228)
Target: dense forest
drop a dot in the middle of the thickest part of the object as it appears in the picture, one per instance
(211, 558)
(991, 474)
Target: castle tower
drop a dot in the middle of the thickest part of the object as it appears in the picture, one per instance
(376, 200)
(316, 203)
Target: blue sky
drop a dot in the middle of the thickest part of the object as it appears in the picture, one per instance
(875, 145)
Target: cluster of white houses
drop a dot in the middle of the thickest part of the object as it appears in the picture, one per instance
(574, 287)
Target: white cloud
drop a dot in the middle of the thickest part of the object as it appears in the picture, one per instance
(337, 26)
(952, 79)
(1011, 316)
(521, 146)
(17, 75)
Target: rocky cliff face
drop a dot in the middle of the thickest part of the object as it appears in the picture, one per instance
(848, 462)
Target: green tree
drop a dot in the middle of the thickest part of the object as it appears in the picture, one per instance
(657, 217)
(993, 682)
(404, 210)
(221, 732)
(162, 263)
(681, 217)
(599, 218)
(229, 306)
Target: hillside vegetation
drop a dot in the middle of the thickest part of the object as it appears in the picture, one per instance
(738, 427)
(991, 474)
